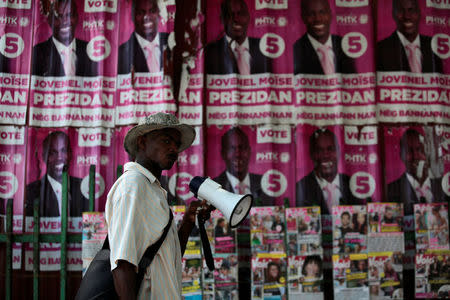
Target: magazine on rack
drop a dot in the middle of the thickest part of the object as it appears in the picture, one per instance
(433, 274)
(304, 232)
(222, 237)
(349, 229)
(385, 227)
(386, 275)
(269, 276)
(350, 277)
(431, 226)
(93, 236)
(226, 276)
(305, 277)
(267, 227)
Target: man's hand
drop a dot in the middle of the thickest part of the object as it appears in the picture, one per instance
(125, 280)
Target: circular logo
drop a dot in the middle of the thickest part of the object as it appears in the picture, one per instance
(440, 44)
(362, 184)
(11, 45)
(98, 48)
(8, 184)
(272, 45)
(354, 44)
(446, 184)
(179, 185)
(99, 186)
(274, 183)
(373, 158)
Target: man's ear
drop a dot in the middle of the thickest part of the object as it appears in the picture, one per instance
(141, 143)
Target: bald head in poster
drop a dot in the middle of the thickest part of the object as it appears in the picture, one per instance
(318, 51)
(406, 49)
(324, 186)
(63, 54)
(57, 154)
(235, 52)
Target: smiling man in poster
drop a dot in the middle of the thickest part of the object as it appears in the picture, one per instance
(63, 54)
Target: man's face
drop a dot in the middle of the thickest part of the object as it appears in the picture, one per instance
(146, 19)
(345, 220)
(414, 157)
(161, 148)
(324, 157)
(407, 17)
(63, 21)
(58, 156)
(236, 155)
(236, 24)
(317, 18)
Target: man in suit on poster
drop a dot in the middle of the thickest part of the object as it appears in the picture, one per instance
(63, 54)
(415, 185)
(56, 152)
(235, 52)
(144, 51)
(324, 186)
(405, 49)
(236, 153)
(4, 64)
(318, 51)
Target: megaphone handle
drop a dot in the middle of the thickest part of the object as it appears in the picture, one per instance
(205, 242)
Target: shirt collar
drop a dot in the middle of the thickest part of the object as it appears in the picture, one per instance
(235, 181)
(61, 47)
(323, 183)
(143, 42)
(233, 44)
(56, 186)
(415, 184)
(316, 44)
(405, 42)
(134, 166)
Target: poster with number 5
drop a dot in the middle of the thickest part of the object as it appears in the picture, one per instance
(15, 56)
(74, 61)
(253, 159)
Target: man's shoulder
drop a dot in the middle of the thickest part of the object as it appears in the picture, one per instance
(307, 179)
(393, 38)
(81, 44)
(34, 185)
(44, 46)
(216, 44)
(301, 41)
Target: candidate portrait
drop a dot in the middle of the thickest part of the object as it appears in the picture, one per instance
(56, 154)
(324, 186)
(235, 52)
(62, 54)
(406, 49)
(318, 51)
(144, 50)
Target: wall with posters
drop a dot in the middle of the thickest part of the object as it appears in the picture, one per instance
(348, 108)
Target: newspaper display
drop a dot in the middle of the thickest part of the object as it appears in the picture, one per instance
(226, 277)
(349, 229)
(305, 277)
(93, 236)
(386, 275)
(431, 226)
(433, 274)
(269, 276)
(350, 276)
(385, 227)
(304, 232)
(267, 231)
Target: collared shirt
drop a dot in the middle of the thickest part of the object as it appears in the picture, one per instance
(61, 48)
(234, 181)
(136, 213)
(426, 188)
(57, 188)
(316, 45)
(337, 189)
(245, 44)
(416, 42)
(144, 43)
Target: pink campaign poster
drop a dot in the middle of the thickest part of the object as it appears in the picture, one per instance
(15, 57)
(413, 64)
(334, 79)
(74, 63)
(337, 165)
(248, 62)
(253, 159)
(145, 42)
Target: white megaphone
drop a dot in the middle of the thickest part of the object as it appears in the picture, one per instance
(233, 206)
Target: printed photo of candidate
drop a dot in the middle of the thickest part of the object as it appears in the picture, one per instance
(62, 54)
(417, 184)
(144, 50)
(319, 51)
(406, 49)
(235, 52)
(56, 155)
(324, 185)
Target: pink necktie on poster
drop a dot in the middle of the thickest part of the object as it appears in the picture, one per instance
(241, 187)
(153, 54)
(325, 60)
(243, 66)
(414, 62)
(423, 192)
(330, 189)
(68, 62)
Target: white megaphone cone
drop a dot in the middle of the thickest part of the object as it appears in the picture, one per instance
(233, 206)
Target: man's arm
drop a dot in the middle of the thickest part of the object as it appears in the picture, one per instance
(124, 276)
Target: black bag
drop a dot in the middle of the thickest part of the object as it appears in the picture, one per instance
(98, 282)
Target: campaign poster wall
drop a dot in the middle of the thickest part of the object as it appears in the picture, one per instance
(145, 42)
(337, 165)
(258, 158)
(74, 63)
(251, 83)
(413, 88)
(334, 78)
(15, 58)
